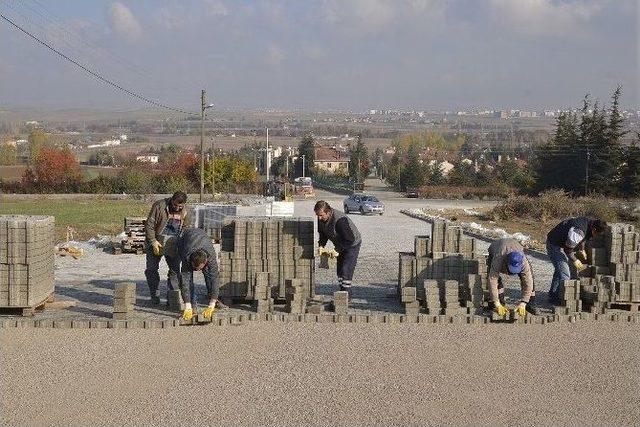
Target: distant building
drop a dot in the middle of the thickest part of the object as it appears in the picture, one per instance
(147, 159)
(331, 160)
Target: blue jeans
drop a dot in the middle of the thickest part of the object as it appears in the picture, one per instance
(347, 259)
(562, 269)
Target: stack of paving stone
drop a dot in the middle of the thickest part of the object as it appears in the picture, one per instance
(341, 302)
(296, 298)
(281, 247)
(442, 297)
(263, 303)
(410, 300)
(124, 300)
(447, 255)
(26, 260)
(612, 279)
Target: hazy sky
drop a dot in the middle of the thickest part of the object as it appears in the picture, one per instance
(339, 54)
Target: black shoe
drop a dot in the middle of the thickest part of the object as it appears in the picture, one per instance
(531, 309)
(155, 300)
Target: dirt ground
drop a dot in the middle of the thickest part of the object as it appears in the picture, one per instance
(323, 374)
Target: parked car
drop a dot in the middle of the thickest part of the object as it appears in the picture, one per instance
(413, 193)
(363, 203)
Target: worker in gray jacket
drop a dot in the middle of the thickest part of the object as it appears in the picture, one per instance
(336, 226)
(165, 222)
(197, 253)
(506, 256)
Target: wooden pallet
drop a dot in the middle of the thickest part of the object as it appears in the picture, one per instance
(48, 304)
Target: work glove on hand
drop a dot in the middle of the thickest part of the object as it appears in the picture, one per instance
(207, 313)
(187, 315)
(521, 309)
(583, 255)
(320, 250)
(500, 309)
(157, 248)
(579, 265)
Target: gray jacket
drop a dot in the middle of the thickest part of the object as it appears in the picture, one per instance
(342, 232)
(191, 240)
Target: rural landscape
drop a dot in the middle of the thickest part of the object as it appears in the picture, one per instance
(379, 220)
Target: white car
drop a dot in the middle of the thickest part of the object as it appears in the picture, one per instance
(363, 203)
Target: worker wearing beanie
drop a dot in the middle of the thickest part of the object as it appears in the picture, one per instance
(506, 256)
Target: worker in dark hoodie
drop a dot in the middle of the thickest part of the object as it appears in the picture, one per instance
(336, 226)
(197, 253)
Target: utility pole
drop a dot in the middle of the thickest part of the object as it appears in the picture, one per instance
(586, 174)
(266, 156)
(202, 99)
(213, 169)
(204, 106)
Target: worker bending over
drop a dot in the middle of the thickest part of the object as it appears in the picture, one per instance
(506, 256)
(164, 223)
(197, 254)
(336, 226)
(566, 241)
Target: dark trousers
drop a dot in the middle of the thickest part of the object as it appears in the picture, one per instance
(346, 262)
(210, 273)
(153, 276)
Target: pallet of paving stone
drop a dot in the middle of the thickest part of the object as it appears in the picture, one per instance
(26, 261)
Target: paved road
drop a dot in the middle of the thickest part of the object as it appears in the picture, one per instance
(323, 374)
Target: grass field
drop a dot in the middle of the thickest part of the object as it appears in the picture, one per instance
(88, 217)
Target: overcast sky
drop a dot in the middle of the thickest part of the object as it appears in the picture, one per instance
(340, 54)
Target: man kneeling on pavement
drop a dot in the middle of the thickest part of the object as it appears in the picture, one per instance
(506, 256)
(197, 254)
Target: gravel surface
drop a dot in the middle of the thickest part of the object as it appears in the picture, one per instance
(312, 374)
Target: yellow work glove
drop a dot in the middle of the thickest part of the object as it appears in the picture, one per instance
(500, 309)
(157, 248)
(521, 309)
(207, 313)
(320, 250)
(578, 265)
(187, 315)
(583, 255)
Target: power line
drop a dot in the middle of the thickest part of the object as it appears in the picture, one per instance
(95, 74)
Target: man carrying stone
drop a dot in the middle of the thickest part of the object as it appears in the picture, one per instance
(197, 254)
(336, 226)
(566, 242)
(164, 223)
(506, 256)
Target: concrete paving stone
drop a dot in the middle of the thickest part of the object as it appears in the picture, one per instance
(98, 324)
(80, 324)
(134, 324)
(116, 324)
(62, 324)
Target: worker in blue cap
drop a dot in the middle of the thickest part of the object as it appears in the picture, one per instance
(506, 256)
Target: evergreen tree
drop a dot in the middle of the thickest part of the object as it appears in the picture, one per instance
(411, 175)
(630, 176)
(359, 161)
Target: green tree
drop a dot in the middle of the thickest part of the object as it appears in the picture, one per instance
(630, 176)
(411, 175)
(37, 140)
(306, 148)
(8, 155)
(358, 161)
(102, 158)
